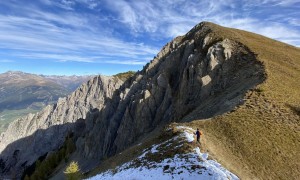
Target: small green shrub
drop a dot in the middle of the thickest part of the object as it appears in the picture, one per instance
(124, 76)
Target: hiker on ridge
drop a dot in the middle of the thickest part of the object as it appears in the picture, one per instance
(198, 133)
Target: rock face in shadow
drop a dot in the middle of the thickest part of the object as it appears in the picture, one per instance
(195, 76)
(46, 130)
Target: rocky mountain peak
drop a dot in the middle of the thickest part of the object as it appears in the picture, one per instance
(198, 75)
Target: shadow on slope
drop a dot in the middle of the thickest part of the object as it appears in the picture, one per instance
(20, 156)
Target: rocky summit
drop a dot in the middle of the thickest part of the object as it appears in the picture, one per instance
(204, 74)
(193, 74)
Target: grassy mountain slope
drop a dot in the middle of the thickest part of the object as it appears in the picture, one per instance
(124, 76)
(261, 138)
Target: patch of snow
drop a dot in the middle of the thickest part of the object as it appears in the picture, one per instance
(143, 155)
(214, 167)
(154, 148)
(185, 128)
(189, 137)
(203, 156)
(193, 165)
(178, 146)
(167, 145)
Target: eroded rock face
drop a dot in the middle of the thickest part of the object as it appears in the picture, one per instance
(194, 76)
(37, 134)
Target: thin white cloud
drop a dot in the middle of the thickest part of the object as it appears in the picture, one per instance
(92, 4)
(45, 35)
(6, 61)
(281, 2)
(69, 4)
(173, 18)
(294, 21)
(127, 62)
(69, 35)
(270, 3)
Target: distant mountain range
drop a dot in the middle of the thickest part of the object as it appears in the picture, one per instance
(70, 83)
(21, 93)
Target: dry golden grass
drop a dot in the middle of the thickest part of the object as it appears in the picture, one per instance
(124, 76)
(261, 139)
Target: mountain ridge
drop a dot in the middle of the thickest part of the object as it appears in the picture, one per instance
(219, 79)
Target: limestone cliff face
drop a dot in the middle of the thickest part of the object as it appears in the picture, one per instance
(193, 76)
(30, 137)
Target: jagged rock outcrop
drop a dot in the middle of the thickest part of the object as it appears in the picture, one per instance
(30, 137)
(198, 75)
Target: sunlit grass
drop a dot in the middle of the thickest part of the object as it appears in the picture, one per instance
(263, 134)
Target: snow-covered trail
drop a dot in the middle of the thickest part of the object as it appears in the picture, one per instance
(192, 165)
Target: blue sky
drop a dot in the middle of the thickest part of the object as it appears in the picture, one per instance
(67, 37)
